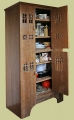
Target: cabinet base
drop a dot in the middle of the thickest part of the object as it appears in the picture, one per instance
(17, 110)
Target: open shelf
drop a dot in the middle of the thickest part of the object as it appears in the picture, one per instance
(42, 20)
(43, 50)
(42, 36)
(43, 62)
(42, 79)
(44, 92)
(41, 96)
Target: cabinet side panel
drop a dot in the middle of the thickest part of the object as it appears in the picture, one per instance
(12, 60)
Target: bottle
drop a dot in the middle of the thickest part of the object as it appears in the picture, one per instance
(46, 30)
(38, 29)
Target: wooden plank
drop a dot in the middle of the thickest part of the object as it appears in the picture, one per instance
(32, 57)
(43, 79)
(56, 42)
(43, 50)
(55, 71)
(63, 26)
(12, 61)
(63, 83)
(27, 55)
(43, 62)
(59, 28)
(43, 20)
(24, 58)
(60, 68)
(42, 36)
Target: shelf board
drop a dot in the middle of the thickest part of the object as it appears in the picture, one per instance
(42, 96)
(42, 36)
(42, 79)
(43, 62)
(43, 50)
(43, 20)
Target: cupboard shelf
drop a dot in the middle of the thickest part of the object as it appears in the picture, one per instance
(43, 50)
(44, 95)
(42, 36)
(43, 62)
(42, 20)
(43, 79)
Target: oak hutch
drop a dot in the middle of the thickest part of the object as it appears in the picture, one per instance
(21, 51)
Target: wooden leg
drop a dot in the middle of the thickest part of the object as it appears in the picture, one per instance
(59, 97)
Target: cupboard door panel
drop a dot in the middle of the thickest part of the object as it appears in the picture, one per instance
(56, 43)
(64, 73)
(55, 70)
(27, 60)
(59, 30)
(60, 72)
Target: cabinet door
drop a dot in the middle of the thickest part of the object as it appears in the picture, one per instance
(60, 72)
(27, 61)
(59, 30)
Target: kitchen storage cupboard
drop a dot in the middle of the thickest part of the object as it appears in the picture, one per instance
(20, 22)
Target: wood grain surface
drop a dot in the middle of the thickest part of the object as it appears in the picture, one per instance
(12, 61)
(59, 29)
(60, 72)
(27, 55)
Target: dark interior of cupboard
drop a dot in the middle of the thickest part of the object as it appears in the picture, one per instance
(46, 83)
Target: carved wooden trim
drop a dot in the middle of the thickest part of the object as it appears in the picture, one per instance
(58, 18)
(24, 18)
(24, 37)
(25, 67)
(30, 18)
(30, 36)
(31, 66)
(59, 64)
(59, 35)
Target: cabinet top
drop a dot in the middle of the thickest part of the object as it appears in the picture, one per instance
(25, 3)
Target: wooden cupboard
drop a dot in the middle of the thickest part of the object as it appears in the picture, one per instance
(20, 40)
